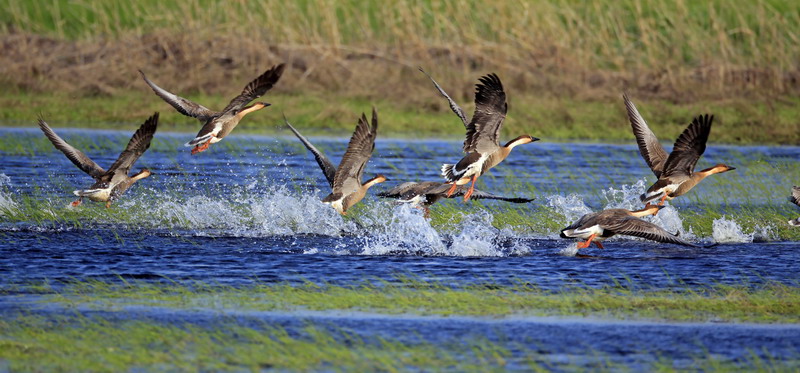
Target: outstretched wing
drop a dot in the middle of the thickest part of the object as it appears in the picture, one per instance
(408, 189)
(689, 147)
(633, 226)
(453, 105)
(77, 157)
(795, 198)
(256, 88)
(182, 105)
(140, 141)
(441, 190)
(483, 132)
(359, 150)
(649, 147)
(328, 168)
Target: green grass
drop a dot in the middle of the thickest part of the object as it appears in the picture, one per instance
(77, 343)
(80, 344)
(771, 303)
(552, 119)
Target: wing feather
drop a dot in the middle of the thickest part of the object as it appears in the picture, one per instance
(633, 226)
(795, 198)
(483, 131)
(182, 105)
(453, 105)
(256, 88)
(138, 144)
(651, 150)
(328, 168)
(691, 144)
(77, 157)
(359, 150)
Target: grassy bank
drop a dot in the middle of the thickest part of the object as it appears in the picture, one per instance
(738, 121)
(564, 64)
(766, 304)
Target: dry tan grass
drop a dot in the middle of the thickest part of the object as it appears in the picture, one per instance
(680, 51)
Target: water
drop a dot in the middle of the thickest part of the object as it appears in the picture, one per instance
(249, 210)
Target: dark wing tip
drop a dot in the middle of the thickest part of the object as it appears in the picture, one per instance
(152, 121)
(489, 82)
(520, 200)
(274, 72)
(703, 120)
(374, 119)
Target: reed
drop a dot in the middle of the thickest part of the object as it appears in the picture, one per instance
(680, 50)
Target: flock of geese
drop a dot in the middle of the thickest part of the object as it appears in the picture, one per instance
(674, 171)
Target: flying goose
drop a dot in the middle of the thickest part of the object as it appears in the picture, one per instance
(795, 198)
(598, 226)
(345, 180)
(109, 185)
(675, 172)
(424, 194)
(218, 124)
(483, 137)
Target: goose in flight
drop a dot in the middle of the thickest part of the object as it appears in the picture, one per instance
(795, 198)
(424, 194)
(112, 183)
(483, 137)
(345, 180)
(675, 172)
(218, 124)
(598, 226)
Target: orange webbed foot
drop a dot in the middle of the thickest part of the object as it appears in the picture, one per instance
(583, 245)
(600, 245)
(201, 148)
(471, 188)
(76, 203)
(452, 189)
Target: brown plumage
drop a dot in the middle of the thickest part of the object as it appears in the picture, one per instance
(675, 172)
(598, 226)
(109, 185)
(424, 194)
(217, 125)
(345, 180)
(482, 143)
(795, 198)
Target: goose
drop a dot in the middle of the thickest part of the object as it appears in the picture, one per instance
(675, 172)
(218, 124)
(111, 184)
(598, 226)
(424, 194)
(795, 198)
(483, 137)
(345, 180)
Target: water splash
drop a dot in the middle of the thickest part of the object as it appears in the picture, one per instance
(726, 230)
(406, 231)
(7, 205)
(624, 197)
(571, 206)
(569, 250)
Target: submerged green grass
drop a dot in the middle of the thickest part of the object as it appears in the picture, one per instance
(78, 343)
(770, 303)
